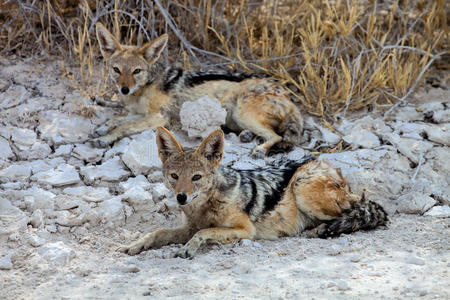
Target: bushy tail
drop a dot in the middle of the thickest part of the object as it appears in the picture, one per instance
(364, 215)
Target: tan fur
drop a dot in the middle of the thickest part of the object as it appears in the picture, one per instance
(260, 105)
(315, 193)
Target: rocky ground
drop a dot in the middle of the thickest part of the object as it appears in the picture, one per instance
(65, 206)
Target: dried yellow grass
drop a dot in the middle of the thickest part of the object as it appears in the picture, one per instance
(335, 56)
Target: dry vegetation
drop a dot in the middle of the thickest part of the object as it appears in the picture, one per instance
(334, 55)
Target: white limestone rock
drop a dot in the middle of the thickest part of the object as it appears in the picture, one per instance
(5, 150)
(59, 128)
(439, 212)
(88, 193)
(63, 150)
(141, 155)
(6, 263)
(137, 196)
(87, 153)
(110, 170)
(15, 172)
(56, 253)
(35, 240)
(37, 151)
(112, 211)
(119, 148)
(362, 137)
(201, 117)
(39, 166)
(12, 219)
(37, 218)
(160, 191)
(13, 96)
(37, 198)
(65, 202)
(138, 181)
(23, 138)
(414, 203)
(60, 176)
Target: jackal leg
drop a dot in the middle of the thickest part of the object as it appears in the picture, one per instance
(211, 235)
(264, 131)
(157, 239)
(130, 129)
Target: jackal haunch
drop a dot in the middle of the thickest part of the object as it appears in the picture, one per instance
(221, 204)
(255, 104)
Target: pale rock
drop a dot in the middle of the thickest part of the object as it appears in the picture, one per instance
(119, 148)
(137, 196)
(201, 117)
(415, 260)
(56, 161)
(56, 253)
(51, 228)
(66, 219)
(361, 137)
(87, 153)
(408, 113)
(414, 203)
(439, 212)
(138, 181)
(160, 191)
(13, 96)
(6, 263)
(63, 175)
(39, 166)
(37, 198)
(23, 138)
(65, 202)
(37, 151)
(141, 155)
(35, 240)
(4, 85)
(110, 170)
(5, 150)
(112, 210)
(328, 136)
(63, 150)
(156, 176)
(15, 172)
(342, 285)
(37, 218)
(88, 193)
(439, 133)
(296, 154)
(442, 116)
(59, 128)
(75, 162)
(12, 219)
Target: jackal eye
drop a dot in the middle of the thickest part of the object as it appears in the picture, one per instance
(196, 177)
(137, 71)
(116, 69)
(174, 176)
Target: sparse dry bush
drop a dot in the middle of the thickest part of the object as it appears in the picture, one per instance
(335, 56)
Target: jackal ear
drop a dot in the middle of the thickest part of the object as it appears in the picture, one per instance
(152, 50)
(212, 147)
(108, 42)
(167, 144)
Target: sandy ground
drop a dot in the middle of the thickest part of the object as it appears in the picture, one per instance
(67, 250)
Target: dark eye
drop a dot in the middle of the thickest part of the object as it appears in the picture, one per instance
(137, 71)
(174, 176)
(196, 177)
(116, 69)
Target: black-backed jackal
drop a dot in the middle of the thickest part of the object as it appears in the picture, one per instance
(255, 105)
(222, 204)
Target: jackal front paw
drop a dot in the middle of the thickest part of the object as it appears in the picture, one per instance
(101, 130)
(258, 152)
(186, 252)
(132, 249)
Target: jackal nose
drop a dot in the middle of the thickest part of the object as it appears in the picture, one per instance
(125, 90)
(181, 198)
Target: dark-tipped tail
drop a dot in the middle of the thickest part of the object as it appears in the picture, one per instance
(364, 215)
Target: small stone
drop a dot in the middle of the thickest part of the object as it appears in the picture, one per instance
(4, 85)
(87, 153)
(5, 150)
(141, 155)
(6, 263)
(138, 181)
(15, 172)
(342, 285)
(57, 253)
(246, 242)
(23, 138)
(60, 176)
(415, 260)
(36, 241)
(132, 269)
(414, 203)
(201, 117)
(160, 191)
(37, 151)
(439, 212)
(37, 218)
(63, 150)
(110, 170)
(88, 193)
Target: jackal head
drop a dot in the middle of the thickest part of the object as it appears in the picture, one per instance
(129, 66)
(190, 173)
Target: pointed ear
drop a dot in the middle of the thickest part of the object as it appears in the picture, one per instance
(152, 50)
(167, 144)
(212, 147)
(108, 42)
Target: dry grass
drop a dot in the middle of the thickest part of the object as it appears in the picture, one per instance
(335, 56)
